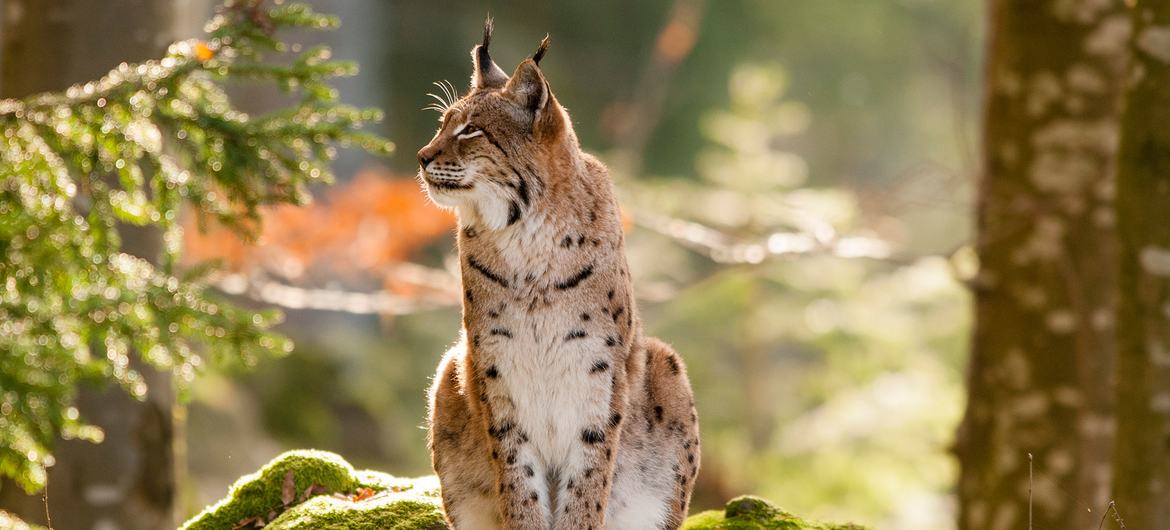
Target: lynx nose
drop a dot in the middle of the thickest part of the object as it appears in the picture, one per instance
(427, 154)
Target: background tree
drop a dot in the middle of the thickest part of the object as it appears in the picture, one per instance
(1142, 466)
(89, 295)
(1043, 339)
(47, 49)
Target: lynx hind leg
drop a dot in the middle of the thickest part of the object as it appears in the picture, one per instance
(458, 455)
(671, 427)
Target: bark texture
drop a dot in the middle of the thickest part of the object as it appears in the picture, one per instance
(1043, 344)
(126, 482)
(1142, 464)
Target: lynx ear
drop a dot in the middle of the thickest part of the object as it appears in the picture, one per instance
(528, 86)
(530, 89)
(485, 73)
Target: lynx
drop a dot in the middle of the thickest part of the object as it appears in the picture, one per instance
(553, 410)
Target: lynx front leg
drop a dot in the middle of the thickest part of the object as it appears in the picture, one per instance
(459, 452)
(585, 492)
(586, 479)
(521, 482)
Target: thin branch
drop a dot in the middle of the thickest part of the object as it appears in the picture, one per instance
(674, 42)
(1116, 516)
(441, 287)
(261, 289)
(723, 248)
(45, 499)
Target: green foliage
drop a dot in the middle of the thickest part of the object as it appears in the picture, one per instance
(129, 150)
(391, 503)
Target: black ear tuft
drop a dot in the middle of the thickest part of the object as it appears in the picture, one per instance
(483, 58)
(487, 32)
(544, 43)
(485, 73)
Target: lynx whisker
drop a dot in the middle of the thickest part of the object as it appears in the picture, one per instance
(446, 94)
(454, 91)
(446, 91)
(441, 104)
(450, 94)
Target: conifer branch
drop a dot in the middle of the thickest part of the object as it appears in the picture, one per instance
(132, 149)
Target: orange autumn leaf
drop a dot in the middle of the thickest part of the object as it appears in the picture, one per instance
(363, 226)
(362, 494)
(203, 52)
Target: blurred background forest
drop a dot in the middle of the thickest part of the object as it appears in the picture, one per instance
(797, 179)
(827, 376)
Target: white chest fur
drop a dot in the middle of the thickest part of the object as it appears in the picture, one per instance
(545, 371)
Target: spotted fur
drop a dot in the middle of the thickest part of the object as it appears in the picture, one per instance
(553, 411)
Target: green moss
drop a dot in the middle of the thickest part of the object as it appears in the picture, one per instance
(260, 493)
(425, 486)
(405, 504)
(390, 511)
(398, 504)
(753, 513)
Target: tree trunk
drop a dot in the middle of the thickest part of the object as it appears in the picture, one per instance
(1039, 384)
(1142, 464)
(127, 481)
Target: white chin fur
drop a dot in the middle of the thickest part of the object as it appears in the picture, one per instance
(492, 208)
(442, 198)
(485, 205)
(487, 209)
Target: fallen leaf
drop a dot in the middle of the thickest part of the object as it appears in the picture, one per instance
(315, 489)
(247, 521)
(288, 491)
(362, 494)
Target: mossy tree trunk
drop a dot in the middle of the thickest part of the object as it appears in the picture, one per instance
(1043, 344)
(126, 482)
(1142, 465)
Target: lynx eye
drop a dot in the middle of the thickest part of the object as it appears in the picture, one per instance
(469, 131)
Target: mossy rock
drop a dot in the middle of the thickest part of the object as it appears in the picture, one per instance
(416, 508)
(754, 513)
(327, 493)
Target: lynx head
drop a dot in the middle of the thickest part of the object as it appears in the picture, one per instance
(491, 157)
